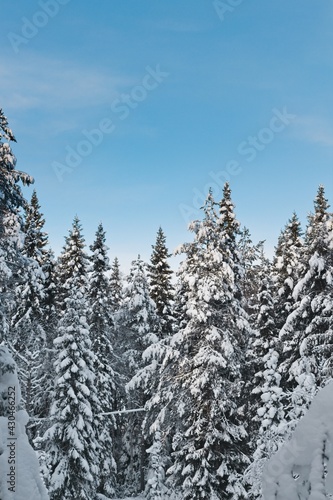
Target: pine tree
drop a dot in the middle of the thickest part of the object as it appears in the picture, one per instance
(161, 289)
(101, 332)
(200, 391)
(72, 441)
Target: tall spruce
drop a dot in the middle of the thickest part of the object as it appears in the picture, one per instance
(251, 259)
(115, 286)
(266, 410)
(307, 334)
(28, 322)
(11, 202)
(101, 331)
(71, 443)
(287, 267)
(139, 328)
(199, 397)
(161, 289)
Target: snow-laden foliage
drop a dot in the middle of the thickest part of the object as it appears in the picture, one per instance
(251, 256)
(102, 333)
(199, 394)
(71, 442)
(307, 334)
(160, 286)
(115, 286)
(71, 260)
(155, 482)
(11, 197)
(11, 202)
(179, 401)
(139, 328)
(266, 413)
(287, 268)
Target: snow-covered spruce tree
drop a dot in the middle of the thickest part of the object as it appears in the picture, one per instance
(251, 259)
(28, 320)
(71, 443)
(199, 394)
(307, 334)
(71, 257)
(287, 267)
(267, 414)
(35, 238)
(101, 332)
(44, 390)
(139, 328)
(115, 286)
(161, 289)
(11, 194)
(11, 201)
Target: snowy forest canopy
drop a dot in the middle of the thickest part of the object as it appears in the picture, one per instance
(148, 385)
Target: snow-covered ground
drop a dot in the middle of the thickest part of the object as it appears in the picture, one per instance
(19, 469)
(303, 467)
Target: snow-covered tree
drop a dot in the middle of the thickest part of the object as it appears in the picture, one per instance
(72, 257)
(155, 485)
(11, 195)
(287, 267)
(161, 289)
(115, 286)
(101, 332)
(200, 392)
(35, 238)
(139, 328)
(71, 442)
(11, 201)
(28, 321)
(267, 415)
(307, 335)
(251, 259)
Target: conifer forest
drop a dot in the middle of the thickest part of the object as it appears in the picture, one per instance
(211, 382)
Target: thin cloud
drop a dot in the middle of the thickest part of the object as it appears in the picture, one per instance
(46, 83)
(313, 129)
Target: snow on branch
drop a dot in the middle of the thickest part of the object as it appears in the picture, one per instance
(122, 411)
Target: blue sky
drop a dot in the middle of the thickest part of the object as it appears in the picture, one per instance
(126, 112)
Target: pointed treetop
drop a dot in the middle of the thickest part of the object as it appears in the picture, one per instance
(321, 203)
(227, 215)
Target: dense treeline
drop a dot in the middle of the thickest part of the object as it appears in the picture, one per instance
(172, 387)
